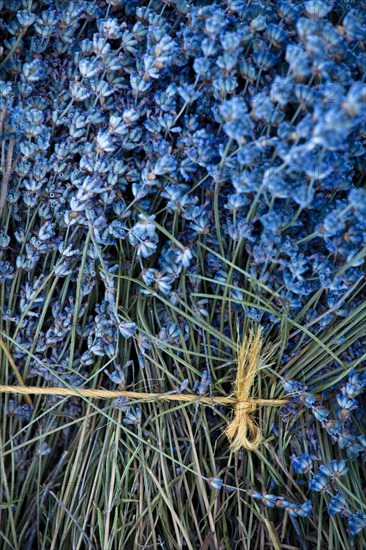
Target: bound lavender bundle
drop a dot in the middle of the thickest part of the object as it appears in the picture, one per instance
(171, 171)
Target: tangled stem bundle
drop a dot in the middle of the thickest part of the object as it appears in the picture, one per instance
(243, 431)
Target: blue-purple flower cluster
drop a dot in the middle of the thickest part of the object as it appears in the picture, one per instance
(324, 482)
(343, 432)
(338, 423)
(162, 139)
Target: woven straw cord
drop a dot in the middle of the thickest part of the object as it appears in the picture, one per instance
(242, 431)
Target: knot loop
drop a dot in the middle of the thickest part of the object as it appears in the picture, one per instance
(243, 431)
(245, 407)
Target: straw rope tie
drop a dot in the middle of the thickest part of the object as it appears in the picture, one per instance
(245, 407)
(243, 431)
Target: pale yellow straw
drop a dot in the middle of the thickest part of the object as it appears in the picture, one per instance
(243, 431)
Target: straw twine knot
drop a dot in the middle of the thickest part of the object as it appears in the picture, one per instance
(244, 407)
(243, 431)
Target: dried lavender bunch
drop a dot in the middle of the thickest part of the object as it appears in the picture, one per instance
(156, 155)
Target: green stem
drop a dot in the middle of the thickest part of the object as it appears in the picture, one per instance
(10, 53)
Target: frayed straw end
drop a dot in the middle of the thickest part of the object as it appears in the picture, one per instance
(243, 431)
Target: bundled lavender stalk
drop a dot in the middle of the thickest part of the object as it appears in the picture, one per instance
(166, 153)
